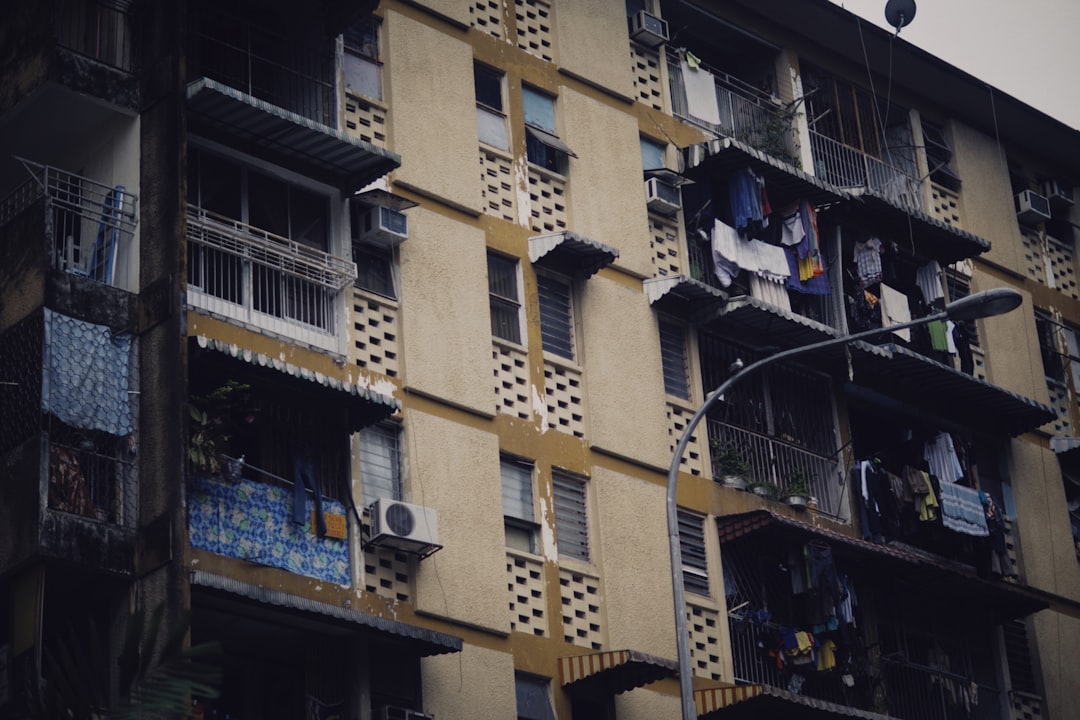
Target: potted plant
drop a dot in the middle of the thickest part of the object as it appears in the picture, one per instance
(765, 489)
(731, 468)
(211, 428)
(797, 490)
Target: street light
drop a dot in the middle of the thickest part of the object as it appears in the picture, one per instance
(987, 303)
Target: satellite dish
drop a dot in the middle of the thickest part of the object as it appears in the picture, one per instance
(899, 13)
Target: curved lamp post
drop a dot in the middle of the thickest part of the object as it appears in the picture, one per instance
(987, 303)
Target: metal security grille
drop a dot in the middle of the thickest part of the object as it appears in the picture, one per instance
(505, 298)
(556, 316)
(692, 544)
(673, 359)
(571, 521)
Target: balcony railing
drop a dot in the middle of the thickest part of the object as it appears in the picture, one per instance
(254, 276)
(265, 65)
(746, 113)
(88, 224)
(848, 167)
(779, 463)
(92, 477)
(99, 30)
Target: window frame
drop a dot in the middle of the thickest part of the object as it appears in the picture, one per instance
(520, 526)
(693, 548)
(393, 457)
(497, 114)
(543, 148)
(667, 328)
(652, 145)
(505, 302)
(536, 687)
(368, 54)
(570, 491)
(368, 256)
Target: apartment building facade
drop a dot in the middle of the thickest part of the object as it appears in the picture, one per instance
(358, 338)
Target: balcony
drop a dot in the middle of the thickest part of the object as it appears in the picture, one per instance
(97, 30)
(264, 280)
(89, 227)
(745, 113)
(847, 167)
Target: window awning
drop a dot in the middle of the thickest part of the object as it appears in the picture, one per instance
(932, 238)
(764, 324)
(571, 253)
(285, 137)
(763, 701)
(612, 672)
(423, 641)
(683, 296)
(960, 596)
(552, 141)
(945, 392)
(366, 406)
(723, 157)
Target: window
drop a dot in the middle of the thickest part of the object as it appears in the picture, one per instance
(380, 462)
(363, 71)
(542, 145)
(374, 271)
(692, 544)
(505, 298)
(571, 521)
(490, 113)
(556, 316)
(938, 155)
(533, 698)
(1060, 348)
(652, 155)
(673, 359)
(518, 513)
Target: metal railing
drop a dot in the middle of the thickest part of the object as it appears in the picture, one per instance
(746, 113)
(88, 224)
(265, 65)
(244, 273)
(779, 463)
(98, 29)
(93, 481)
(848, 167)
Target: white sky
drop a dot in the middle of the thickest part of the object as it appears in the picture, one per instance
(1029, 49)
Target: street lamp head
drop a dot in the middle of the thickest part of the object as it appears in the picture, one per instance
(996, 301)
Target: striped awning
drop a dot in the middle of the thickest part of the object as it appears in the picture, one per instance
(753, 702)
(612, 672)
(571, 253)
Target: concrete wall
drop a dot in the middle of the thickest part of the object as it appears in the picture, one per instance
(429, 87)
(445, 320)
(593, 40)
(456, 10)
(625, 388)
(477, 683)
(455, 470)
(1011, 344)
(607, 192)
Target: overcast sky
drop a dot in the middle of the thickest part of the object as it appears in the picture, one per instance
(1029, 49)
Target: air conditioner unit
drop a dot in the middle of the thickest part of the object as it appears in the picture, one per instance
(1058, 192)
(393, 712)
(648, 30)
(403, 526)
(382, 226)
(662, 197)
(1031, 207)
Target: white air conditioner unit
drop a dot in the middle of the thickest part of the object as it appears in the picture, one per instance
(1058, 192)
(648, 30)
(403, 526)
(393, 712)
(1031, 207)
(662, 197)
(382, 226)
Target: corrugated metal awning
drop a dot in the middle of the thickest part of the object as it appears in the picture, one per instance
(723, 157)
(571, 253)
(552, 141)
(683, 296)
(764, 701)
(758, 322)
(372, 406)
(612, 672)
(424, 641)
(943, 391)
(913, 230)
(959, 594)
(285, 137)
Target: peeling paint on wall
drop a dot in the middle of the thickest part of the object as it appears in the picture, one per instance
(540, 408)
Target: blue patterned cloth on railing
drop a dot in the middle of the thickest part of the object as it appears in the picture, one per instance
(962, 510)
(85, 379)
(253, 521)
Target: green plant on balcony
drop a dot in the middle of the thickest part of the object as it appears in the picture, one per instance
(729, 464)
(774, 136)
(765, 489)
(212, 424)
(797, 489)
